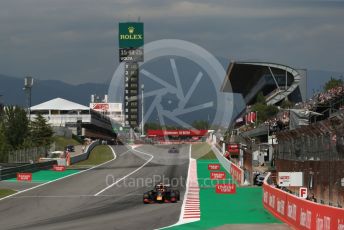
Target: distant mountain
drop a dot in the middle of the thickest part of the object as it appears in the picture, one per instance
(12, 90)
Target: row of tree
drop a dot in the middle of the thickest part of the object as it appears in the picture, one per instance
(17, 132)
(197, 124)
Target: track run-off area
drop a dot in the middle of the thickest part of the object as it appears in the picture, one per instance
(109, 196)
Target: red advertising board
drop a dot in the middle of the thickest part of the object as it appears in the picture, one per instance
(213, 166)
(217, 175)
(233, 148)
(160, 133)
(101, 106)
(59, 168)
(300, 213)
(237, 173)
(24, 176)
(225, 188)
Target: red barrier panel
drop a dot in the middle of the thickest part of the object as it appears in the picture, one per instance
(217, 175)
(300, 213)
(225, 188)
(24, 176)
(59, 168)
(214, 166)
(161, 133)
(237, 173)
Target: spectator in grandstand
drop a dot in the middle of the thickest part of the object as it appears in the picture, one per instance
(312, 198)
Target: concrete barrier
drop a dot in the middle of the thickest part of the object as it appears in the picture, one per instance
(85, 154)
(236, 172)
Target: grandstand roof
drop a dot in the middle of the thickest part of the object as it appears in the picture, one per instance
(59, 104)
(250, 78)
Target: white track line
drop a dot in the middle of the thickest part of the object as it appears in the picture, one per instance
(74, 196)
(193, 207)
(49, 182)
(186, 190)
(122, 154)
(113, 184)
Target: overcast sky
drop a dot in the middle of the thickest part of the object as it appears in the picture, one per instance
(76, 40)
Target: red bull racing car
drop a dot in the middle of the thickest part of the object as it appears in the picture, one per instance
(162, 193)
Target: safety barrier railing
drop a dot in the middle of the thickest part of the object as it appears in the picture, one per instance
(300, 213)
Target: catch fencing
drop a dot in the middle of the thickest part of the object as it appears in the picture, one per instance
(27, 155)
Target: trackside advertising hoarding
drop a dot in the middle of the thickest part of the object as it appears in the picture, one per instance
(157, 133)
(287, 179)
(300, 213)
(130, 35)
(237, 173)
(24, 176)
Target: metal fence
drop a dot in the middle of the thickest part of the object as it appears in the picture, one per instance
(321, 141)
(27, 155)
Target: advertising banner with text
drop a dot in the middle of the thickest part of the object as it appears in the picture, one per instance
(300, 213)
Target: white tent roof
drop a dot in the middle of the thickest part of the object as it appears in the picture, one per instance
(59, 104)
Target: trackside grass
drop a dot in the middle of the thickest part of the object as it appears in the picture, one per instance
(6, 192)
(99, 155)
(202, 151)
(62, 142)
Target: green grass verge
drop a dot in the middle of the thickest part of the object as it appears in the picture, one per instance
(43, 176)
(243, 207)
(62, 142)
(209, 156)
(99, 154)
(202, 151)
(6, 192)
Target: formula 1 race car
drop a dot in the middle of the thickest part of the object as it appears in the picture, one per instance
(162, 193)
(173, 150)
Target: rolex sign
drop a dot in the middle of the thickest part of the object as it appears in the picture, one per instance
(130, 34)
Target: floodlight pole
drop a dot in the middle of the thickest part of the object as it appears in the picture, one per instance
(142, 110)
(28, 82)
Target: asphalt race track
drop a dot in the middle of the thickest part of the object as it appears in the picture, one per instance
(101, 198)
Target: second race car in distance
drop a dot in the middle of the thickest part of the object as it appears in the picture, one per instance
(173, 150)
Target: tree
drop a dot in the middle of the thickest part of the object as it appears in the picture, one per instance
(286, 104)
(16, 126)
(41, 131)
(264, 112)
(200, 124)
(332, 83)
(260, 99)
(4, 148)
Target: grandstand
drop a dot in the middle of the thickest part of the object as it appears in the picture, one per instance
(310, 139)
(276, 81)
(62, 114)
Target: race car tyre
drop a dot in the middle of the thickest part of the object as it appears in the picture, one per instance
(146, 198)
(173, 197)
(177, 194)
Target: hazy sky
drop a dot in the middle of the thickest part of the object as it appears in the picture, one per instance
(76, 40)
